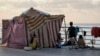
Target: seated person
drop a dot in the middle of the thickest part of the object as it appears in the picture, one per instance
(33, 42)
(59, 40)
(81, 42)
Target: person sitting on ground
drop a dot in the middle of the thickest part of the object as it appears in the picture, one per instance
(81, 42)
(59, 40)
(33, 42)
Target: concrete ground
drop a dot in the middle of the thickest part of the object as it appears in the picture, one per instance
(49, 52)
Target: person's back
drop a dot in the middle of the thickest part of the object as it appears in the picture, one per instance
(81, 42)
(71, 32)
(72, 35)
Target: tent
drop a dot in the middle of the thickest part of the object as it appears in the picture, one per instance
(5, 30)
(45, 26)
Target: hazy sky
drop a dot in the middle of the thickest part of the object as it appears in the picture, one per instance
(78, 11)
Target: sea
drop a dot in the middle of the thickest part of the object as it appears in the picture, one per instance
(82, 27)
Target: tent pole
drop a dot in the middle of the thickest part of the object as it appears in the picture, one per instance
(65, 31)
(26, 33)
(27, 47)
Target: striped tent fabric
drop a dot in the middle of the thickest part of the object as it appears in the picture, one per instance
(45, 26)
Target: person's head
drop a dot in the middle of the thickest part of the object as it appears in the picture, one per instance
(71, 23)
(34, 35)
(59, 35)
(80, 37)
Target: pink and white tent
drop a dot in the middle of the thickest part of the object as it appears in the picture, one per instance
(45, 26)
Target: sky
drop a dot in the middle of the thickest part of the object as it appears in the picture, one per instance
(78, 11)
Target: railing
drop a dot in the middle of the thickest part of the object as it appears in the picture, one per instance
(87, 38)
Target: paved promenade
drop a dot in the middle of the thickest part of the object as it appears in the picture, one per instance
(49, 52)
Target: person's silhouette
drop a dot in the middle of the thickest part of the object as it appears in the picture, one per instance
(72, 34)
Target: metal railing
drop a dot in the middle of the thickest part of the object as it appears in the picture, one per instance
(87, 38)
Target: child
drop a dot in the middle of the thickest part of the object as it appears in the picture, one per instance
(81, 42)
